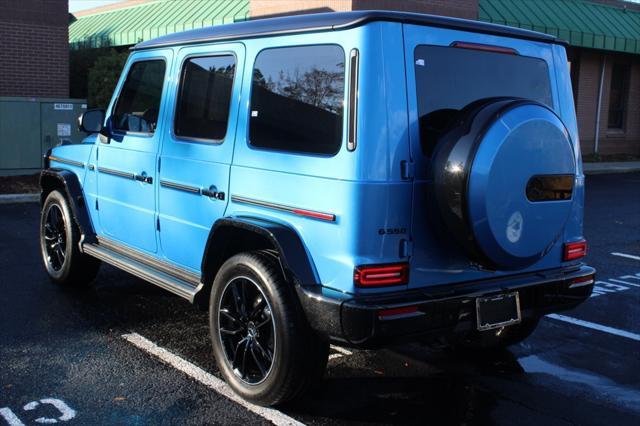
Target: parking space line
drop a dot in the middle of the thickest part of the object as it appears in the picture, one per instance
(341, 352)
(274, 416)
(594, 326)
(628, 256)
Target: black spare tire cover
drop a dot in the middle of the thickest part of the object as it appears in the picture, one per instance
(503, 177)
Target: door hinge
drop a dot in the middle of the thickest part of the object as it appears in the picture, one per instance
(406, 169)
(158, 224)
(406, 248)
(159, 163)
(97, 207)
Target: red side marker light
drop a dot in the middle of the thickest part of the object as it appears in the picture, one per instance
(381, 275)
(575, 250)
(397, 311)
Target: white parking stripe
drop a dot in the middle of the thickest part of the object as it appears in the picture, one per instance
(594, 326)
(343, 351)
(274, 416)
(628, 256)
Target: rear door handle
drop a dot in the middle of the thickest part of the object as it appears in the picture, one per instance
(143, 178)
(212, 193)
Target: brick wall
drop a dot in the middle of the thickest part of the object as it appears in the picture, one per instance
(459, 8)
(34, 53)
(611, 141)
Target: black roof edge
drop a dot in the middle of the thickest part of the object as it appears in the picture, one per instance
(297, 24)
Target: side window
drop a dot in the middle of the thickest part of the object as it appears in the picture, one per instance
(204, 98)
(138, 105)
(297, 99)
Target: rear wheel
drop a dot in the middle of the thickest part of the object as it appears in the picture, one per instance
(263, 345)
(59, 237)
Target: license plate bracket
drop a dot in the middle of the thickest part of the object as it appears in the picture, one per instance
(497, 311)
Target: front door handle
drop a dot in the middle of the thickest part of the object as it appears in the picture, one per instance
(142, 177)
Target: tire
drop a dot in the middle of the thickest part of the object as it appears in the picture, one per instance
(283, 357)
(59, 237)
(498, 338)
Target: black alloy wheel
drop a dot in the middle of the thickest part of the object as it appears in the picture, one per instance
(55, 236)
(247, 330)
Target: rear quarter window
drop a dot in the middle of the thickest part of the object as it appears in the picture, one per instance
(297, 99)
(449, 78)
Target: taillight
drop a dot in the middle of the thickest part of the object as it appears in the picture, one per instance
(575, 250)
(582, 281)
(397, 312)
(381, 275)
(484, 47)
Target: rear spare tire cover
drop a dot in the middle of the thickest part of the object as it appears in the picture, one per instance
(503, 181)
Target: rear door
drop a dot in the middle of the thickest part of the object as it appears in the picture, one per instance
(127, 161)
(197, 151)
(447, 70)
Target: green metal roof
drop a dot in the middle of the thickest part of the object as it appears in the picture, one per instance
(130, 25)
(579, 22)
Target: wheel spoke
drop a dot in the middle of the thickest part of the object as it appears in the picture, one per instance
(263, 370)
(268, 356)
(230, 332)
(258, 309)
(242, 341)
(225, 313)
(266, 321)
(59, 254)
(236, 299)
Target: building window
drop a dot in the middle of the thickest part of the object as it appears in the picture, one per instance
(297, 99)
(205, 97)
(618, 95)
(139, 101)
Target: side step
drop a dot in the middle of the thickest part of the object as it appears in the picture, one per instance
(168, 282)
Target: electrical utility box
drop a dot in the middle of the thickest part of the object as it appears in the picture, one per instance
(30, 126)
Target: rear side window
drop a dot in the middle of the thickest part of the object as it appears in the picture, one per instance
(138, 105)
(297, 99)
(449, 78)
(205, 97)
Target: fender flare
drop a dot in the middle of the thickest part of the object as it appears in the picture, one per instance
(294, 260)
(56, 178)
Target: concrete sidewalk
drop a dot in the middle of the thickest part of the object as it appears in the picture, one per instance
(611, 167)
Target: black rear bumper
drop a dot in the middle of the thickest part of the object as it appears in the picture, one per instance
(441, 310)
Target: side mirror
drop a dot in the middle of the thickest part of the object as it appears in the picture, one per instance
(91, 121)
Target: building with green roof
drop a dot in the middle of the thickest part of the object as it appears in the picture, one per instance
(603, 38)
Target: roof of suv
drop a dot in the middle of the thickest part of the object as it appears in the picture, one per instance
(333, 21)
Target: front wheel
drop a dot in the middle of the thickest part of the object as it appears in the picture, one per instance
(59, 237)
(262, 343)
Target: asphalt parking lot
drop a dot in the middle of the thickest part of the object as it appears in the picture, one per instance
(122, 351)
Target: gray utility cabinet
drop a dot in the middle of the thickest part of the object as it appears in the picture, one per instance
(30, 126)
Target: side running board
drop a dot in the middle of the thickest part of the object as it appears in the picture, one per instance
(178, 286)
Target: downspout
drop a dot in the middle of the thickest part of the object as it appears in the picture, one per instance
(597, 136)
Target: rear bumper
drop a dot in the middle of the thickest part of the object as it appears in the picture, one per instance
(441, 310)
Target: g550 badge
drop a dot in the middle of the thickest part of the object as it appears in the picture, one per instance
(392, 231)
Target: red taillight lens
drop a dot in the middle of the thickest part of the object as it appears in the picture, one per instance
(484, 47)
(381, 275)
(575, 250)
(386, 313)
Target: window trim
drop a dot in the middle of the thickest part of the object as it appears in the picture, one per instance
(190, 139)
(120, 132)
(344, 100)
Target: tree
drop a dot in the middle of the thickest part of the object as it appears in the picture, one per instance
(103, 77)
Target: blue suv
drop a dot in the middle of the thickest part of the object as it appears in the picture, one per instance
(356, 178)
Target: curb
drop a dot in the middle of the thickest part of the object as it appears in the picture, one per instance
(19, 198)
(613, 170)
